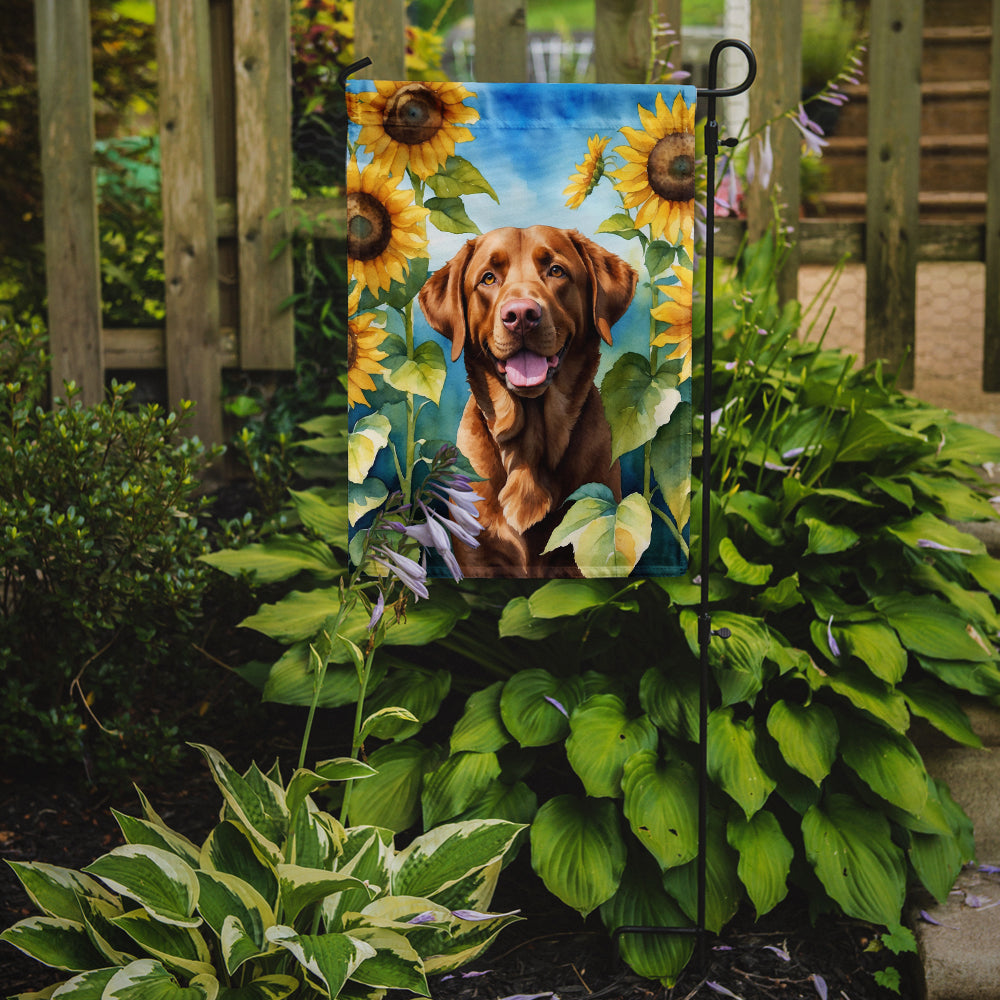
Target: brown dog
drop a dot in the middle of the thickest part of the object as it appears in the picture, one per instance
(530, 308)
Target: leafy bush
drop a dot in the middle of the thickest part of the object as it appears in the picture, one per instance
(99, 540)
(854, 604)
(279, 899)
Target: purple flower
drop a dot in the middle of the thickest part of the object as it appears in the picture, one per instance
(760, 165)
(727, 197)
(780, 952)
(811, 132)
(927, 543)
(377, 611)
(719, 988)
(820, 983)
(409, 571)
(834, 648)
(427, 917)
(558, 705)
(475, 915)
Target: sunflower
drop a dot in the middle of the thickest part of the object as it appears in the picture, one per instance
(658, 176)
(385, 230)
(413, 125)
(677, 312)
(363, 356)
(590, 172)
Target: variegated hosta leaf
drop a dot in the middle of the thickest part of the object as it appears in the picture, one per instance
(86, 986)
(99, 915)
(851, 849)
(177, 947)
(275, 987)
(149, 980)
(142, 831)
(438, 859)
(368, 437)
(807, 735)
(230, 849)
(602, 738)
(642, 902)
(661, 799)
(225, 897)
(765, 858)
(301, 887)
(366, 855)
(158, 880)
(578, 851)
(304, 782)
(54, 941)
(467, 940)
(314, 839)
(56, 891)
(395, 964)
(329, 959)
(732, 760)
(256, 801)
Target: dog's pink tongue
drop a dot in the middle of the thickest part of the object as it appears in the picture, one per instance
(527, 368)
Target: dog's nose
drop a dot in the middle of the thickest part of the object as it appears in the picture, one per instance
(521, 315)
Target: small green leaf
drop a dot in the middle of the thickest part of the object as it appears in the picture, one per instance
(481, 726)
(637, 402)
(732, 760)
(765, 858)
(279, 558)
(738, 569)
(423, 374)
(367, 438)
(449, 215)
(364, 498)
(807, 736)
(458, 177)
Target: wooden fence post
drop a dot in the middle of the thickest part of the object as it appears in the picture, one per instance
(501, 41)
(622, 40)
(991, 332)
(190, 250)
(893, 183)
(380, 34)
(72, 255)
(776, 34)
(261, 57)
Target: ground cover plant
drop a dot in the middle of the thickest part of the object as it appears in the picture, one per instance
(854, 605)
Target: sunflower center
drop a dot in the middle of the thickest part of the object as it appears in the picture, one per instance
(671, 167)
(369, 227)
(352, 347)
(414, 115)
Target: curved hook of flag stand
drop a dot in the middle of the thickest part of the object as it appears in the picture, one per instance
(705, 631)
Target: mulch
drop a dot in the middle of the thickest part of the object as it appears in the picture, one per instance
(551, 953)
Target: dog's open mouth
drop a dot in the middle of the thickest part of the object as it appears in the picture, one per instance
(528, 370)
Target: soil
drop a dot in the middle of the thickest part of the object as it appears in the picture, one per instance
(551, 953)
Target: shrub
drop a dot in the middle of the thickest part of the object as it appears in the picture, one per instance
(280, 899)
(99, 539)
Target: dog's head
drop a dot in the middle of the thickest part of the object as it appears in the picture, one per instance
(521, 298)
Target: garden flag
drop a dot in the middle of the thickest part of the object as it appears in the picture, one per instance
(520, 262)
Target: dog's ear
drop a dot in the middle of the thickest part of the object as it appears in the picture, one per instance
(612, 283)
(442, 299)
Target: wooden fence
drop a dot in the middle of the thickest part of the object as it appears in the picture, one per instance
(226, 161)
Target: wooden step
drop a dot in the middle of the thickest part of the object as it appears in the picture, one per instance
(958, 206)
(945, 105)
(956, 53)
(941, 13)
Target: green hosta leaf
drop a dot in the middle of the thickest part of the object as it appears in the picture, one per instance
(159, 881)
(760, 512)
(870, 436)
(180, 948)
(732, 760)
(515, 803)
(986, 572)
(765, 858)
(458, 177)
(957, 501)
(888, 763)
(292, 680)
(365, 855)
(783, 595)
(807, 736)
(423, 374)
(559, 598)
(607, 539)
(671, 700)
(937, 857)
(456, 784)
(449, 215)
(641, 901)
(54, 941)
(723, 889)
(828, 539)
(304, 782)
(927, 528)
(481, 727)
(738, 569)
(932, 628)
(936, 704)
(279, 558)
(299, 615)
(528, 710)
(876, 646)
(440, 858)
(56, 891)
(147, 979)
(578, 851)
(466, 941)
(395, 964)
(865, 692)
(301, 887)
(738, 661)
(368, 437)
(660, 805)
(517, 620)
(365, 497)
(260, 809)
(330, 959)
(386, 723)
(327, 520)
(637, 402)
(391, 798)
(602, 738)
(230, 849)
(850, 847)
(976, 678)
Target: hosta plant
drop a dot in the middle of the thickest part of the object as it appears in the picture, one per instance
(279, 900)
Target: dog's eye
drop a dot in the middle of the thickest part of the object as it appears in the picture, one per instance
(489, 278)
(557, 271)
